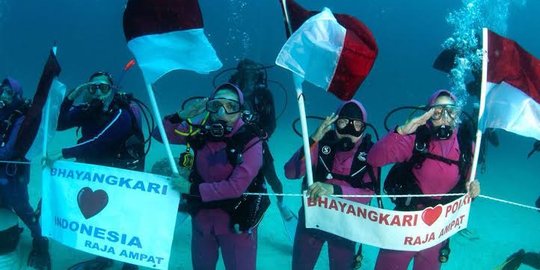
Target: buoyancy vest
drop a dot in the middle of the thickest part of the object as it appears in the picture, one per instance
(401, 180)
(247, 210)
(326, 154)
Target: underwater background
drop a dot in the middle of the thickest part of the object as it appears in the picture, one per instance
(409, 34)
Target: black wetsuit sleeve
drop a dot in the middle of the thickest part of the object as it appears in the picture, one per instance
(69, 116)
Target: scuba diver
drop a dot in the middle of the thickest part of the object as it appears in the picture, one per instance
(339, 168)
(227, 163)
(433, 155)
(111, 133)
(110, 125)
(445, 62)
(15, 169)
(251, 78)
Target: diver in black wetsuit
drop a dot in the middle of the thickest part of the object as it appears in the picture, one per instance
(111, 135)
(110, 125)
(15, 114)
(251, 77)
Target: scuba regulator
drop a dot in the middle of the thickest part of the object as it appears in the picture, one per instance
(217, 129)
(442, 132)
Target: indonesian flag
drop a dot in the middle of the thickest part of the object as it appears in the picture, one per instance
(167, 35)
(513, 88)
(335, 53)
(40, 121)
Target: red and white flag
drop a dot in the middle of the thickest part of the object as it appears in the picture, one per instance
(512, 88)
(333, 51)
(167, 35)
(39, 125)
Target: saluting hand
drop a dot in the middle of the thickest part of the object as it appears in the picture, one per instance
(319, 189)
(193, 108)
(78, 91)
(411, 126)
(324, 127)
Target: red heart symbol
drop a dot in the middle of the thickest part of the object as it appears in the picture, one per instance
(431, 214)
(91, 202)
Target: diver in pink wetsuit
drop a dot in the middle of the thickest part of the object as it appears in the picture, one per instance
(441, 170)
(339, 165)
(219, 177)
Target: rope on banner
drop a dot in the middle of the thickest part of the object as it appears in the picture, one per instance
(407, 195)
(14, 162)
(359, 196)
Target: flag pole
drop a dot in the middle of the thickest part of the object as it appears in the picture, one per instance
(301, 106)
(305, 138)
(161, 129)
(482, 105)
(47, 112)
(45, 118)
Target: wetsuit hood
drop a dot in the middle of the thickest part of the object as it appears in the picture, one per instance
(438, 93)
(233, 87)
(352, 109)
(15, 85)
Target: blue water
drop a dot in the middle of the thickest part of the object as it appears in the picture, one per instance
(409, 34)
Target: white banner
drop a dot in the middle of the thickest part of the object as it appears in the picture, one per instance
(396, 230)
(120, 214)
